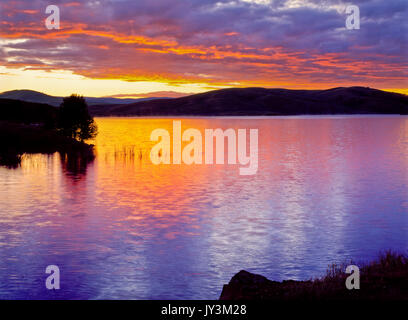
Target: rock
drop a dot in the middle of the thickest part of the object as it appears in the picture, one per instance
(246, 285)
(385, 279)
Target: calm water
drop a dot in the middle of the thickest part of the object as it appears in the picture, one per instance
(328, 189)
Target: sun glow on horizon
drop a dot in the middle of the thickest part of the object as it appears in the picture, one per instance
(64, 83)
(293, 44)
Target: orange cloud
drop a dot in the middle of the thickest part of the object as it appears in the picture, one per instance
(167, 49)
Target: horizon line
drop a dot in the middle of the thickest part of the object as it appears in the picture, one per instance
(178, 94)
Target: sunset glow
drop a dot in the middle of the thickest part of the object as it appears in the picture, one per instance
(126, 48)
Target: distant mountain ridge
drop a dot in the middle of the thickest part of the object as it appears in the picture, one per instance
(266, 102)
(236, 102)
(39, 97)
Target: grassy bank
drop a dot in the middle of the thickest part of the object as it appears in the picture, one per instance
(384, 279)
(27, 127)
(19, 138)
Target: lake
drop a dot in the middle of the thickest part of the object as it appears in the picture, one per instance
(329, 189)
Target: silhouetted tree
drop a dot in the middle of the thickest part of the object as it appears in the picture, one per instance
(74, 119)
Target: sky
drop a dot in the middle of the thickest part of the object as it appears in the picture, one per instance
(137, 48)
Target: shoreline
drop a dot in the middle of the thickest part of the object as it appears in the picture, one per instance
(385, 279)
(17, 139)
(258, 117)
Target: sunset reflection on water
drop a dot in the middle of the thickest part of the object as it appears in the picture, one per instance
(327, 189)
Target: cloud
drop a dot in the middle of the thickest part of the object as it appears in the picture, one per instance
(272, 43)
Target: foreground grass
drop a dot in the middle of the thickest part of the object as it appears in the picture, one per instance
(384, 279)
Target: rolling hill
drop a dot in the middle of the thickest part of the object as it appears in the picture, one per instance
(38, 97)
(262, 101)
(226, 102)
(27, 112)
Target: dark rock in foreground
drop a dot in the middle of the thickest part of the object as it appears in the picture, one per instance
(385, 279)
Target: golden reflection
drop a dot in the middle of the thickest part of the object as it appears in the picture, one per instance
(323, 185)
